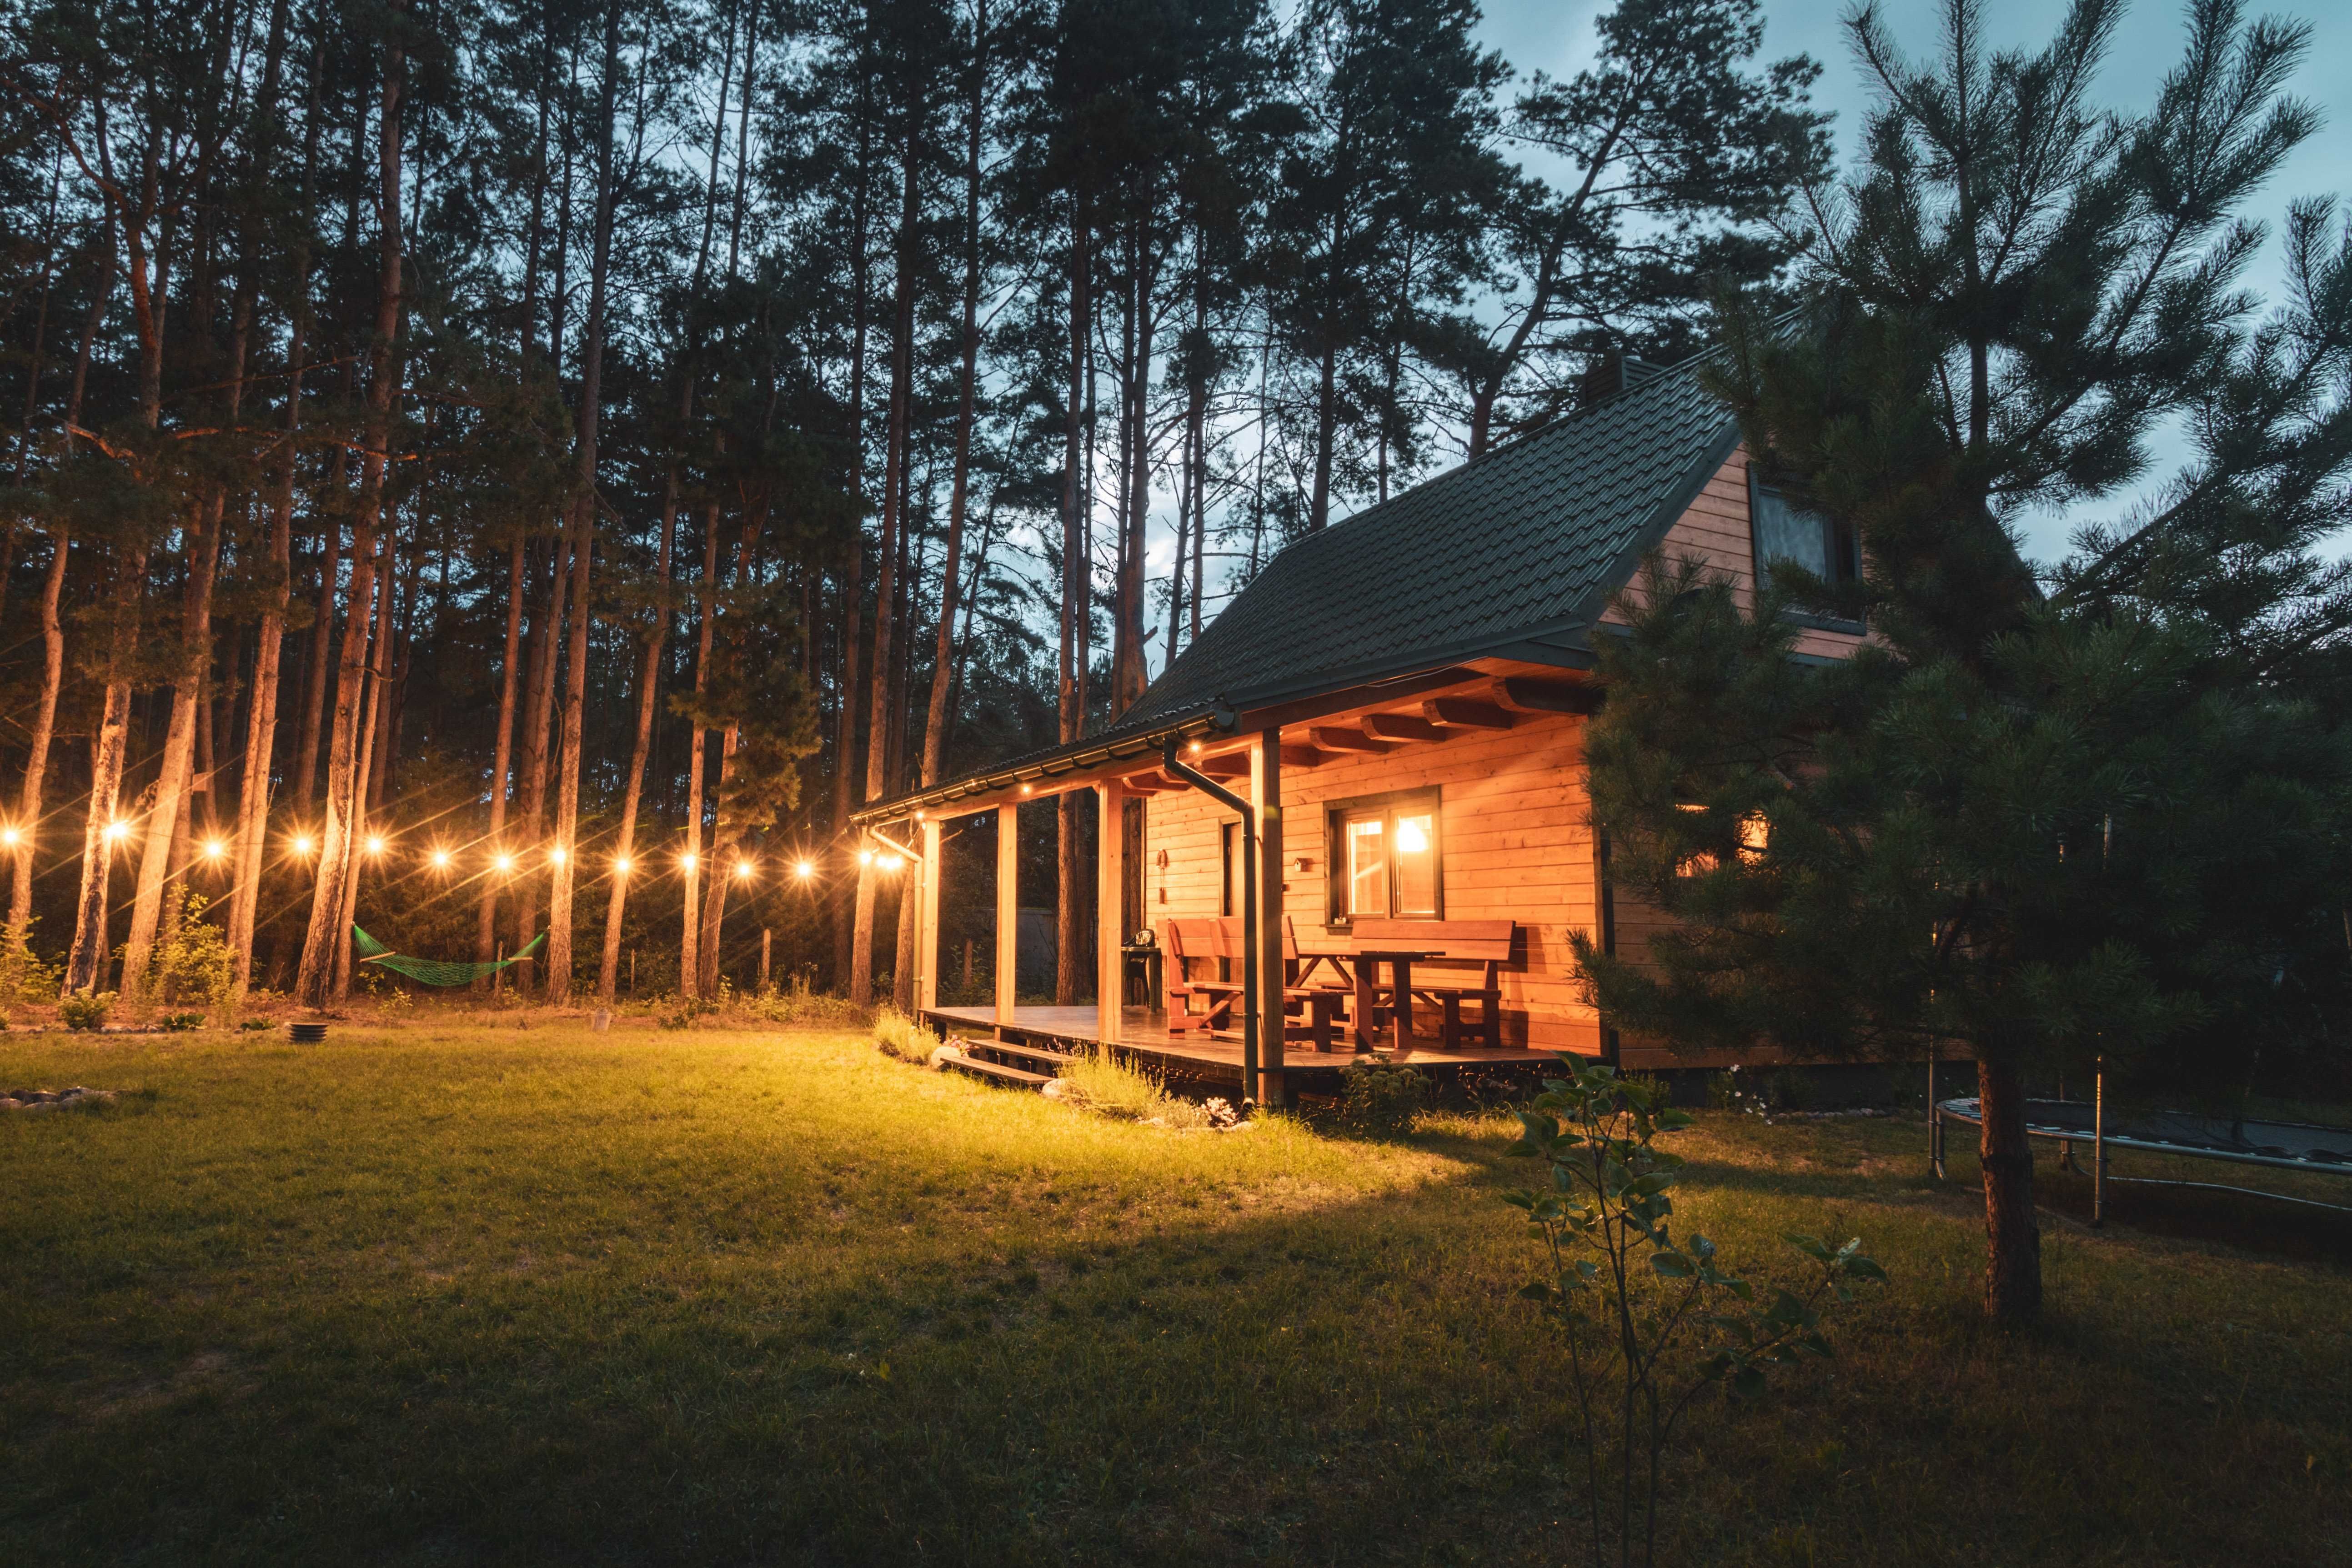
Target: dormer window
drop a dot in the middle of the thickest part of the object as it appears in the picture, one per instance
(1783, 530)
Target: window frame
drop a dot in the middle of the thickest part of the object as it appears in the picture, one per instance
(1845, 555)
(1229, 867)
(1387, 805)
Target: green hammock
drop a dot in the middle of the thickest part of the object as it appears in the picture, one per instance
(429, 970)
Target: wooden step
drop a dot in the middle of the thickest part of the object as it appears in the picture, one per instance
(998, 1072)
(1037, 1054)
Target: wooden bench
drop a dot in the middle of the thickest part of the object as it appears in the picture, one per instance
(1220, 945)
(1486, 944)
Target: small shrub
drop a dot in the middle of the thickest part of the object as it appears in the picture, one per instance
(253, 1026)
(22, 977)
(1382, 1099)
(181, 1022)
(85, 1012)
(193, 964)
(798, 1006)
(901, 1036)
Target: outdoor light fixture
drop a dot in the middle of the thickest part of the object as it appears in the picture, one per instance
(889, 862)
(117, 829)
(1025, 789)
(301, 844)
(804, 870)
(555, 856)
(505, 862)
(689, 862)
(214, 848)
(744, 870)
(1196, 748)
(441, 857)
(12, 836)
(866, 856)
(620, 866)
(375, 844)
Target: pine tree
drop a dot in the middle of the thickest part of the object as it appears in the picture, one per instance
(2038, 823)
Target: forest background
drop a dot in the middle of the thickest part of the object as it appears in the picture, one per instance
(486, 469)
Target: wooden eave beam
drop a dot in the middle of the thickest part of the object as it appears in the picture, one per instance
(1466, 714)
(1400, 727)
(1523, 695)
(1230, 766)
(1295, 755)
(1332, 738)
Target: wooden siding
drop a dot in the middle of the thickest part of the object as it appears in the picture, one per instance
(1514, 838)
(1714, 530)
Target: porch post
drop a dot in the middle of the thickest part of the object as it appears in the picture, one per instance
(926, 921)
(1110, 935)
(1008, 908)
(1266, 797)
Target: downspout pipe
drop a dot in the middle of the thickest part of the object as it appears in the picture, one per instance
(1176, 767)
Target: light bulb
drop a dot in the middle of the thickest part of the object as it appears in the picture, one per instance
(214, 848)
(375, 844)
(556, 855)
(505, 862)
(744, 870)
(301, 844)
(690, 861)
(441, 857)
(805, 870)
(11, 836)
(117, 829)
(890, 862)
(866, 856)
(1410, 837)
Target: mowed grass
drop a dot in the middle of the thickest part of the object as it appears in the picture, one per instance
(460, 1294)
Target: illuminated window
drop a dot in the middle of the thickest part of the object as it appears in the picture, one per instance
(1385, 859)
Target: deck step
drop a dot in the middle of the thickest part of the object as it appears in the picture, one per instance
(1037, 1054)
(998, 1072)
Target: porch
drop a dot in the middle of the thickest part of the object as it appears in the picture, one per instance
(1142, 1035)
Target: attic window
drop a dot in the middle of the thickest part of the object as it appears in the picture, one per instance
(1783, 530)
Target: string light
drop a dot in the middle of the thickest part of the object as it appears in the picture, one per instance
(690, 861)
(441, 858)
(12, 836)
(889, 862)
(301, 844)
(556, 855)
(214, 848)
(115, 830)
(620, 866)
(505, 862)
(804, 870)
(742, 870)
(375, 844)
(866, 856)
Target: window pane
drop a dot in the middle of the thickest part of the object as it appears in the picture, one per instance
(1416, 864)
(1785, 533)
(1368, 868)
(1230, 867)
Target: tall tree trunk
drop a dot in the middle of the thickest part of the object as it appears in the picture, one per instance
(1327, 425)
(369, 728)
(86, 962)
(37, 757)
(486, 928)
(2013, 1236)
(583, 527)
(689, 964)
(317, 667)
(895, 442)
(531, 801)
(608, 973)
(1076, 577)
(845, 752)
(330, 925)
(188, 691)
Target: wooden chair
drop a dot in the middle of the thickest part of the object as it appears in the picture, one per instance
(1485, 944)
(1219, 946)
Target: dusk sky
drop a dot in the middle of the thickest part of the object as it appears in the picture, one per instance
(1535, 35)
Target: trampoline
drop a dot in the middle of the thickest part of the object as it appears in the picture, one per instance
(2280, 1146)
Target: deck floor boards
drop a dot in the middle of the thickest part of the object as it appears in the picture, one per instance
(1141, 1033)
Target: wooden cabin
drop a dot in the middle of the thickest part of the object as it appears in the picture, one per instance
(1401, 699)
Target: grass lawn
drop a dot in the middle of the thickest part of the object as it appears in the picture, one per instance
(461, 1294)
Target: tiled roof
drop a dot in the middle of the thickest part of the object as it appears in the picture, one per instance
(1527, 538)
(1522, 543)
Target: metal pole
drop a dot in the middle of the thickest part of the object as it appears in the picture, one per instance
(2099, 1146)
(1177, 767)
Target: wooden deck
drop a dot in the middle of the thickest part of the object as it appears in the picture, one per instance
(1216, 1061)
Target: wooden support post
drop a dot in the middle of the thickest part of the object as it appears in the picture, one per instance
(1110, 927)
(927, 921)
(1265, 798)
(767, 950)
(1008, 909)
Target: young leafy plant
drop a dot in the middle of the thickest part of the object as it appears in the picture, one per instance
(1631, 1298)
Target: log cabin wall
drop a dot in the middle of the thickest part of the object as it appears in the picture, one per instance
(1514, 843)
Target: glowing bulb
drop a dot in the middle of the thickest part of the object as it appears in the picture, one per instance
(11, 836)
(690, 861)
(556, 855)
(866, 856)
(505, 862)
(117, 829)
(890, 862)
(1410, 837)
(214, 848)
(804, 870)
(1196, 748)
(375, 844)
(301, 844)
(620, 866)
(744, 870)
(441, 858)
(1025, 789)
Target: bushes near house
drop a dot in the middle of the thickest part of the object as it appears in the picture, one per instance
(1382, 1099)
(903, 1038)
(1101, 1083)
(86, 1011)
